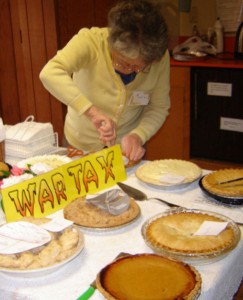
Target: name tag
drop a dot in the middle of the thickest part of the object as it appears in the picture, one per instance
(139, 98)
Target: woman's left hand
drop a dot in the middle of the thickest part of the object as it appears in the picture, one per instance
(132, 147)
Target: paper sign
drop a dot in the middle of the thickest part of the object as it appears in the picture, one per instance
(219, 89)
(231, 124)
(211, 228)
(49, 192)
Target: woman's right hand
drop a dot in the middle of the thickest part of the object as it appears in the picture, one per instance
(105, 126)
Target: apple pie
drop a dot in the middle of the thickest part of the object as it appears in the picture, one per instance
(148, 276)
(172, 233)
(88, 215)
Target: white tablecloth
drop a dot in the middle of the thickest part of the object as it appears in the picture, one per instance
(220, 280)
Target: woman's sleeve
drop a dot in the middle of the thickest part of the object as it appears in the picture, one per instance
(56, 75)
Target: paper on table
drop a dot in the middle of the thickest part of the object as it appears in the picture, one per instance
(57, 224)
(20, 236)
(114, 201)
(211, 228)
(172, 179)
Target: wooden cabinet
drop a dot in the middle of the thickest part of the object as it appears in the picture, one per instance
(172, 140)
(216, 116)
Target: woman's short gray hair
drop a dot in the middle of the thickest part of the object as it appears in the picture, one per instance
(138, 29)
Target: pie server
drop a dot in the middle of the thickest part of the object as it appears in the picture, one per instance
(139, 195)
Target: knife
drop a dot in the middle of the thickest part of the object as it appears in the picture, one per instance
(89, 292)
(229, 181)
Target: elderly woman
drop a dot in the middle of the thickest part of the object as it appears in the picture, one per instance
(114, 81)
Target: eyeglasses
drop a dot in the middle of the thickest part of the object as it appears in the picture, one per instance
(124, 66)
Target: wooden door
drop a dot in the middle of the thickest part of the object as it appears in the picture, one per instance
(9, 94)
(72, 15)
(29, 35)
(31, 32)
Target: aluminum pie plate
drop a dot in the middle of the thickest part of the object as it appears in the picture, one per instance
(150, 173)
(193, 258)
(110, 228)
(221, 199)
(187, 56)
(46, 270)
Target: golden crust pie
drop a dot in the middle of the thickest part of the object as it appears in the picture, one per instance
(211, 183)
(88, 215)
(175, 233)
(155, 172)
(62, 246)
(148, 276)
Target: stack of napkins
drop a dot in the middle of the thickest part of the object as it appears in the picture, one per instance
(28, 139)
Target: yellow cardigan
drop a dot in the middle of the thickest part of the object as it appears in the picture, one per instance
(82, 74)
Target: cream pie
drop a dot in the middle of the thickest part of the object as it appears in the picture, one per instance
(168, 172)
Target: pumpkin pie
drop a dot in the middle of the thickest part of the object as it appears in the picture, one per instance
(148, 276)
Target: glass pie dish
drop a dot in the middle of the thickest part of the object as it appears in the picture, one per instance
(172, 234)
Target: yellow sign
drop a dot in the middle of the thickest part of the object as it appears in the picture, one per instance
(49, 192)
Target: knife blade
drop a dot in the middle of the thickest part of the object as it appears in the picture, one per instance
(141, 196)
(132, 192)
(229, 181)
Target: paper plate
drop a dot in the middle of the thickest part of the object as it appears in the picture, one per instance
(49, 269)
